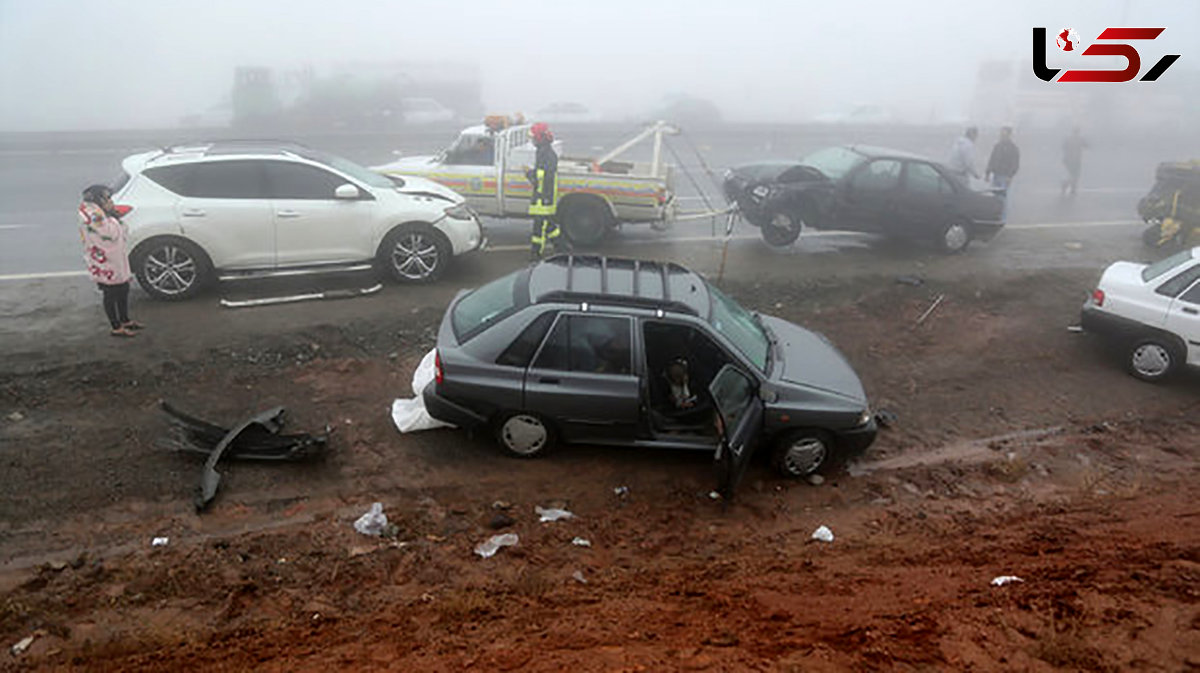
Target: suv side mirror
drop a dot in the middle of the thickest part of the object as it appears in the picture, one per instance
(346, 191)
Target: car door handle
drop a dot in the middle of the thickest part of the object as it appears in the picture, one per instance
(194, 212)
(287, 213)
(1191, 311)
(549, 380)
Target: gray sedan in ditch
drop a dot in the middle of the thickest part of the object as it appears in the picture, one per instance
(603, 350)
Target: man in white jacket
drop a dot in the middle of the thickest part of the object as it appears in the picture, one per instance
(962, 154)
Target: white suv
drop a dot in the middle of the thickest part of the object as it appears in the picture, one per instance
(245, 208)
(1154, 312)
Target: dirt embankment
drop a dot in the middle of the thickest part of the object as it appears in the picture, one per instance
(1021, 449)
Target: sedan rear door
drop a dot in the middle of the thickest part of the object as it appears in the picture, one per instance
(925, 203)
(739, 423)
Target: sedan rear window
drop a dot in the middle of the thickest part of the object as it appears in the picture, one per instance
(483, 306)
(1164, 265)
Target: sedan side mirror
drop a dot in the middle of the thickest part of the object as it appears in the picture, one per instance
(347, 191)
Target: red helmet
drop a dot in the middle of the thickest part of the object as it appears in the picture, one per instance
(541, 133)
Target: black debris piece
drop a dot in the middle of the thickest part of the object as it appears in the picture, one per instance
(885, 418)
(255, 438)
(910, 280)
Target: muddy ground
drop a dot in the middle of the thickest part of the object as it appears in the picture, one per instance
(1020, 449)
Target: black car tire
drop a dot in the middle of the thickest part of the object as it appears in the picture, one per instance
(801, 453)
(415, 253)
(955, 237)
(1153, 359)
(171, 268)
(517, 433)
(782, 229)
(585, 221)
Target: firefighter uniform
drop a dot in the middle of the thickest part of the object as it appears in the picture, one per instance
(543, 201)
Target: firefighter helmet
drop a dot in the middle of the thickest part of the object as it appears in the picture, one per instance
(541, 133)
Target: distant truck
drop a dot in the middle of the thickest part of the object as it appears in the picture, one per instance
(487, 165)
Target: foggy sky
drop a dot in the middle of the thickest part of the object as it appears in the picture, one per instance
(144, 63)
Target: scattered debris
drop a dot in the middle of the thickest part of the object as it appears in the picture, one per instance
(936, 302)
(816, 479)
(23, 644)
(57, 566)
(552, 514)
(914, 281)
(1073, 245)
(578, 577)
(581, 542)
(500, 504)
(1077, 329)
(16, 417)
(714, 495)
(621, 491)
(256, 438)
(374, 522)
(501, 520)
(328, 294)
(823, 534)
(160, 542)
(886, 418)
(1005, 579)
(488, 549)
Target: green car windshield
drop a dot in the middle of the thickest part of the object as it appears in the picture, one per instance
(740, 327)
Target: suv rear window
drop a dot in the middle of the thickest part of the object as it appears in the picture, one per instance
(483, 306)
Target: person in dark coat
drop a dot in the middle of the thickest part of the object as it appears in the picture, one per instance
(1073, 148)
(1003, 164)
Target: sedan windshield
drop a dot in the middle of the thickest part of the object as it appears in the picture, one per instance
(740, 327)
(834, 162)
(1164, 265)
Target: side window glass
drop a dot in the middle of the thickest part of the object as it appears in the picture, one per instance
(288, 180)
(172, 178)
(1179, 282)
(521, 350)
(1192, 296)
(732, 391)
(878, 176)
(592, 344)
(924, 179)
(226, 180)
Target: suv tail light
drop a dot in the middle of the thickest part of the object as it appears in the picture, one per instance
(1098, 297)
(122, 211)
(437, 367)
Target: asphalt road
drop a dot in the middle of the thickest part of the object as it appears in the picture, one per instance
(42, 288)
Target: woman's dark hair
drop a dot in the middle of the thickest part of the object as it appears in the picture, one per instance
(97, 193)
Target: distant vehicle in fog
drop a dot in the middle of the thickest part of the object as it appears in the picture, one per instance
(868, 189)
(566, 113)
(864, 115)
(425, 111)
(243, 209)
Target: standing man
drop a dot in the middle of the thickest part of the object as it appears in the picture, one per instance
(1003, 164)
(543, 200)
(1073, 148)
(962, 154)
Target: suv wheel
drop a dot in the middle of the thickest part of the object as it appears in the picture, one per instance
(171, 268)
(801, 453)
(415, 253)
(524, 435)
(1152, 359)
(783, 229)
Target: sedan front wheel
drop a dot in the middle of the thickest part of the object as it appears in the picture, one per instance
(783, 229)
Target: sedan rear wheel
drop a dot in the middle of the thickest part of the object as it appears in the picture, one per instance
(955, 237)
(783, 229)
(171, 268)
(524, 435)
(1152, 359)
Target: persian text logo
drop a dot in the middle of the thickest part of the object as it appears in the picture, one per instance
(1068, 41)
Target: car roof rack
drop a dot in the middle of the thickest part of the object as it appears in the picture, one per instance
(618, 300)
(616, 281)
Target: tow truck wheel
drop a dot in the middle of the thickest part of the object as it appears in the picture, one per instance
(585, 221)
(783, 229)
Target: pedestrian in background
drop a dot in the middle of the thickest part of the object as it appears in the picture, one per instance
(1073, 148)
(962, 154)
(1003, 164)
(106, 255)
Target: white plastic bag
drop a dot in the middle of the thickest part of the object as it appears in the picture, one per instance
(410, 415)
(823, 534)
(373, 522)
(493, 544)
(552, 514)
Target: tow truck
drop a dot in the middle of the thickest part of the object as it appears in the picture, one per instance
(486, 164)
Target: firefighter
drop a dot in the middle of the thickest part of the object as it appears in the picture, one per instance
(543, 201)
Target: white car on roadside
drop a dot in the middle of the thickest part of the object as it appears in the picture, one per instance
(243, 209)
(1152, 311)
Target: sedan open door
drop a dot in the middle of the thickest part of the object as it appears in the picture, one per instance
(739, 422)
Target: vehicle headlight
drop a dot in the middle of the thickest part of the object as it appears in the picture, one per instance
(761, 191)
(460, 211)
(865, 417)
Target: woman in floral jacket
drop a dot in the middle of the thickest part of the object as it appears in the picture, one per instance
(107, 257)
